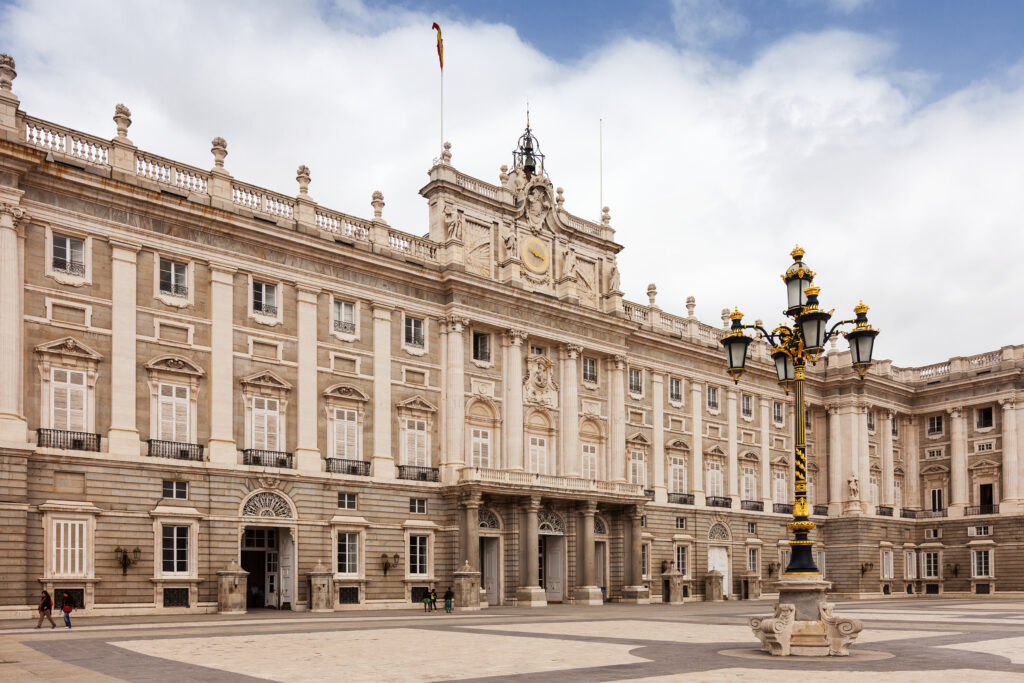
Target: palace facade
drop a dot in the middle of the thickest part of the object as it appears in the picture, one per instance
(197, 373)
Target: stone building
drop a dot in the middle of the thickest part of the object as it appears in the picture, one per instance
(197, 372)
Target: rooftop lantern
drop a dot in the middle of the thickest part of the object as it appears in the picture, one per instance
(798, 277)
(862, 340)
(527, 153)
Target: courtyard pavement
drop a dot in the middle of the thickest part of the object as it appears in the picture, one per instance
(903, 639)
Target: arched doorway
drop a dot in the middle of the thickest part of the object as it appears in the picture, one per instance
(267, 549)
(551, 556)
(491, 580)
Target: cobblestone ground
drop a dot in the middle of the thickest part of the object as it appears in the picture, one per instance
(915, 640)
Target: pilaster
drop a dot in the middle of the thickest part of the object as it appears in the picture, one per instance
(732, 481)
(888, 467)
(864, 460)
(453, 457)
(123, 436)
(697, 448)
(617, 410)
(307, 452)
(658, 436)
(765, 405)
(1011, 483)
(835, 461)
(222, 447)
(383, 460)
(958, 493)
(912, 458)
(569, 410)
(512, 387)
(13, 426)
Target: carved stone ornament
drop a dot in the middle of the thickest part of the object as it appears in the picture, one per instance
(718, 532)
(539, 387)
(854, 485)
(488, 520)
(550, 524)
(536, 198)
(267, 504)
(7, 72)
(599, 527)
(268, 482)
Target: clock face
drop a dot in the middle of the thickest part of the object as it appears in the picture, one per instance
(536, 254)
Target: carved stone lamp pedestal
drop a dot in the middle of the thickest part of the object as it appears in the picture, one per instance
(803, 624)
(467, 589)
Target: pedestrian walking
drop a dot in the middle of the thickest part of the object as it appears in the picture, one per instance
(46, 610)
(448, 598)
(67, 604)
(433, 599)
(426, 601)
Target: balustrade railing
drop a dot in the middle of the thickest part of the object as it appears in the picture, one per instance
(719, 502)
(883, 510)
(344, 326)
(415, 246)
(821, 510)
(581, 224)
(63, 265)
(417, 473)
(344, 466)
(343, 225)
(171, 173)
(174, 289)
(649, 493)
(782, 508)
(975, 510)
(174, 450)
(61, 140)
(755, 505)
(265, 309)
(681, 498)
(984, 359)
(261, 458)
(934, 371)
(635, 312)
(929, 514)
(74, 441)
(474, 185)
(262, 201)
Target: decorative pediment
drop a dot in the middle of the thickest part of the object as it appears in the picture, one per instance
(266, 379)
(416, 403)
(268, 504)
(780, 461)
(638, 439)
(176, 364)
(898, 470)
(678, 443)
(875, 469)
(345, 391)
(715, 452)
(985, 465)
(749, 456)
(935, 469)
(70, 347)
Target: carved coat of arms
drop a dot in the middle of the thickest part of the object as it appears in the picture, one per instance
(539, 387)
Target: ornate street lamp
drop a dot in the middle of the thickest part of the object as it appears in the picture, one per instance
(792, 348)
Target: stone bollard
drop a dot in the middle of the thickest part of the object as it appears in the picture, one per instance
(321, 597)
(467, 589)
(232, 587)
(713, 586)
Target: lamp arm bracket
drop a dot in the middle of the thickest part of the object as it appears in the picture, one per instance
(837, 325)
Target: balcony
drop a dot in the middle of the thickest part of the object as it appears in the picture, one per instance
(975, 510)
(821, 510)
(907, 513)
(63, 265)
(417, 473)
(883, 510)
(719, 502)
(755, 505)
(72, 441)
(485, 475)
(930, 514)
(649, 493)
(269, 310)
(253, 456)
(344, 327)
(174, 289)
(341, 466)
(681, 498)
(782, 508)
(174, 450)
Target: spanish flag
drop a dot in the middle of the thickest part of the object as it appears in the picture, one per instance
(440, 45)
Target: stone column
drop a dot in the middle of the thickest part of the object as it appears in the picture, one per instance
(588, 592)
(512, 390)
(383, 458)
(307, 450)
(835, 461)
(958, 493)
(697, 452)
(124, 435)
(617, 410)
(569, 409)
(530, 594)
(888, 467)
(471, 535)
(767, 494)
(912, 457)
(732, 476)
(454, 456)
(636, 592)
(13, 426)
(864, 460)
(1011, 490)
(658, 437)
(222, 391)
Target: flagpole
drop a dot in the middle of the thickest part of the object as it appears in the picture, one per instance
(600, 162)
(442, 109)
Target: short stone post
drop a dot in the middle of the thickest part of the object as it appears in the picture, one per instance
(467, 589)
(122, 157)
(220, 180)
(321, 597)
(713, 586)
(305, 207)
(672, 587)
(232, 588)
(8, 100)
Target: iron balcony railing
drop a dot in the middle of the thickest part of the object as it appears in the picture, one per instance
(254, 456)
(975, 510)
(907, 513)
(269, 310)
(928, 514)
(415, 341)
(821, 510)
(344, 326)
(719, 502)
(883, 510)
(174, 449)
(782, 508)
(755, 505)
(343, 466)
(681, 498)
(73, 441)
(649, 493)
(417, 473)
(174, 290)
(64, 265)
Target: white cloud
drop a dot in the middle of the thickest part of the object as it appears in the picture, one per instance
(713, 171)
(699, 23)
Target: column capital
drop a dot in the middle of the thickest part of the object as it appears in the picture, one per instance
(956, 411)
(589, 508)
(832, 409)
(532, 504)
(1008, 403)
(636, 512)
(889, 414)
(123, 251)
(222, 273)
(515, 337)
(619, 361)
(572, 351)
(452, 323)
(13, 213)
(307, 294)
(473, 500)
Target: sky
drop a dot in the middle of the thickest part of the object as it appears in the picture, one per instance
(886, 137)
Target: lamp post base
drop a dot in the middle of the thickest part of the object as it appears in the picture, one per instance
(803, 624)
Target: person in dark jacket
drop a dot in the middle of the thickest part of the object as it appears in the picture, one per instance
(46, 610)
(67, 603)
(448, 598)
(433, 599)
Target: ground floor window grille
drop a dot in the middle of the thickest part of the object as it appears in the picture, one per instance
(417, 593)
(176, 597)
(349, 595)
(77, 597)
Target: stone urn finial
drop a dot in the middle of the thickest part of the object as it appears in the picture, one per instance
(123, 119)
(446, 154)
(726, 320)
(378, 205)
(7, 72)
(302, 175)
(559, 197)
(691, 303)
(503, 174)
(219, 150)
(652, 293)
(606, 216)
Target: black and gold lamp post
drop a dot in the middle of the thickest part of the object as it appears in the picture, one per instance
(792, 348)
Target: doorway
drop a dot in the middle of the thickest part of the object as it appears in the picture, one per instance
(267, 553)
(490, 578)
(718, 558)
(551, 567)
(601, 567)
(985, 497)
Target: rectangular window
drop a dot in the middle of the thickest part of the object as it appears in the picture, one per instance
(680, 522)
(590, 370)
(418, 555)
(67, 400)
(819, 559)
(886, 564)
(931, 565)
(636, 381)
(416, 443)
(873, 489)
(174, 413)
(348, 553)
(645, 563)
(749, 483)
(937, 500)
(934, 425)
(895, 428)
(807, 419)
(68, 255)
(983, 417)
(910, 565)
(752, 564)
(933, 533)
(712, 398)
(173, 278)
(780, 487)
(345, 317)
(175, 549)
(538, 350)
(751, 527)
(538, 454)
(347, 501)
(418, 506)
(675, 389)
(264, 423)
(414, 332)
(482, 347)
(264, 298)
(681, 566)
(589, 458)
(68, 548)
(346, 434)
(871, 420)
(983, 446)
(480, 444)
(778, 413)
(175, 489)
(677, 475)
(637, 468)
(714, 479)
(933, 453)
(747, 405)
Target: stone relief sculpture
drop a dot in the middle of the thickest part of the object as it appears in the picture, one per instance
(569, 263)
(538, 386)
(854, 486)
(537, 207)
(453, 223)
(478, 248)
(613, 279)
(511, 240)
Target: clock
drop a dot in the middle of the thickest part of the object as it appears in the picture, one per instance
(536, 255)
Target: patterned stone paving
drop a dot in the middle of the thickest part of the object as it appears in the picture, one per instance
(912, 640)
